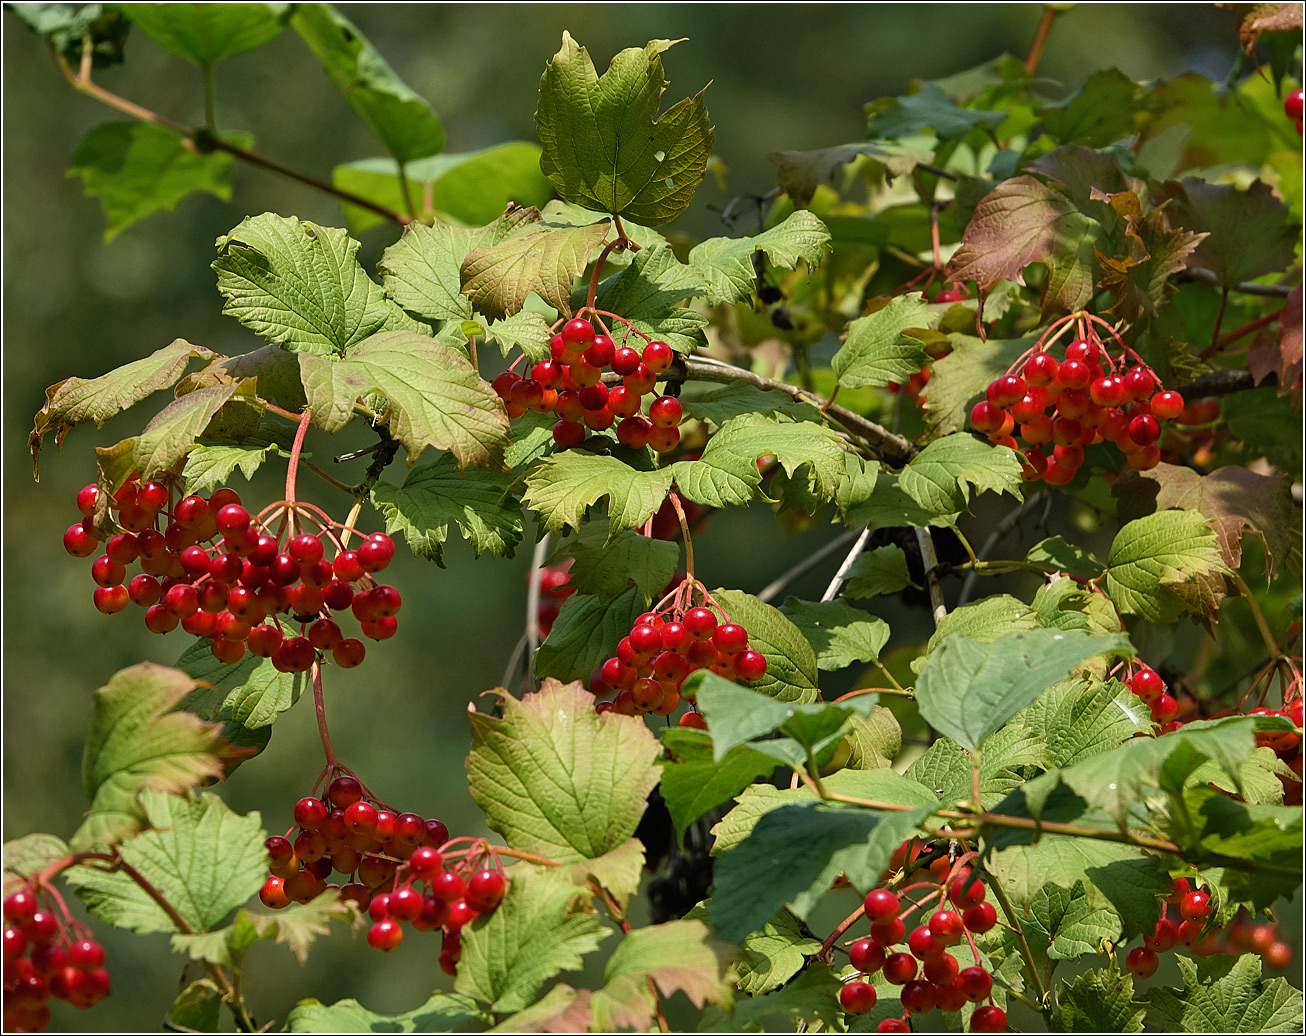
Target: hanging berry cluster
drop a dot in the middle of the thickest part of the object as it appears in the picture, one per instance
(930, 975)
(46, 954)
(570, 385)
(1093, 398)
(221, 573)
(384, 856)
(668, 643)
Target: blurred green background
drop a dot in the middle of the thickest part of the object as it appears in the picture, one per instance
(783, 77)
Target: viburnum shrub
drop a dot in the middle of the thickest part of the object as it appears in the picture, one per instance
(1041, 342)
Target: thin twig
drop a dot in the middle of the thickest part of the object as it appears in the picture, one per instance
(1035, 55)
(842, 574)
(806, 565)
(938, 609)
(999, 533)
(1278, 291)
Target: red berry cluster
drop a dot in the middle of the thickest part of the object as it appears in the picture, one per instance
(665, 646)
(1093, 398)
(44, 958)
(929, 975)
(384, 856)
(1149, 688)
(216, 571)
(1293, 106)
(569, 385)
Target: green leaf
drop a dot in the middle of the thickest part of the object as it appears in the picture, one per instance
(1249, 231)
(1055, 552)
(736, 399)
(299, 285)
(723, 266)
(556, 778)
(1065, 604)
(959, 379)
(203, 858)
(296, 927)
(877, 352)
(1061, 924)
(817, 843)
(255, 692)
(1081, 718)
(648, 293)
(198, 1007)
(1150, 557)
(137, 169)
(1100, 1000)
(31, 853)
(205, 34)
(565, 484)
(694, 781)
(586, 633)
(889, 507)
(928, 109)
(211, 463)
(874, 741)
(879, 571)
(607, 148)
(791, 670)
(727, 472)
(985, 620)
(561, 1009)
(486, 505)
(678, 957)
(137, 741)
(534, 934)
(1099, 113)
(276, 373)
(1233, 499)
(605, 568)
(937, 477)
(772, 955)
(75, 401)
(172, 432)
(968, 690)
(839, 633)
(618, 870)
(443, 1012)
(946, 769)
(473, 187)
(542, 257)
(397, 117)
(436, 397)
(799, 173)
(1225, 994)
(421, 270)
(812, 996)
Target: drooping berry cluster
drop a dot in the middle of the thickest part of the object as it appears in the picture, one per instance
(218, 572)
(46, 957)
(930, 976)
(668, 643)
(386, 858)
(1088, 397)
(1149, 688)
(570, 385)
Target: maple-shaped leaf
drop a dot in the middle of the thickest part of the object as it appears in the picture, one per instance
(1233, 499)
(676, 957)
(940, 476)
(421, 271)
(1024, 221)
(1248, 232)
(1225, 994)
(556, 778)
(1278, 351)
(606, 146)
(1100, 1000)
(564, 485)
(1153, 558)
(436, 396)
(649, 293)
(296, 927)
(137, 741)
(538, 256)
(876, 350)
(1062, 924)
(721, 270)
(75, 401)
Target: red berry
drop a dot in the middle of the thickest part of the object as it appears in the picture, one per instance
(866, 955)
(893, 1025)
(344, 791)
(942, 969)
(923, 944)
(947, 926)
(976, 982)
(900, 968)
(1146, 684)
(1196, 906)
(1293, 105)
(980, 918)
(701, 623)
(375, 552)
(1279, 954)
(750, 666)
(42, 926)
(918, 996)
(1006, 391)
(988, 1019)
(972, 896)
(665, 412)
(1164, 708)
(385, 935)
(658, 356)
(694, 720)
(485, 890)
(881, 906)
(578, 332)
(1167, 405)
(857, 997)
(625, 361)
(1142, 962)
(1041, 369)
(888, 933)
(1164, 938)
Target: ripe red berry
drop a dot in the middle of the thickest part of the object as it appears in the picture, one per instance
(1278, 955)
(665, 412)
(1196, 906)
(988, 1019)
(942, 969)
(971, 896)
(980, 918)
(693, 720)
(857, 997)
(867, 956)
(385, 935)
(375, 552)
(1293, 105)
(1164, 708)
(1142, 962)
(485, 890)
(976, 982)
(889, 932)
(899, 968)
(1040, 369)
(893, 1025)
(918, 996)
(344, 791)
(1167, 405)
(881, 906)
(625, 361)
(1147, 684)
(923, 943)
(947, 926)
(750, 666)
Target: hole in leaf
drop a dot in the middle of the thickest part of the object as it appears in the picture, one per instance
(660, 155)
(669, 182)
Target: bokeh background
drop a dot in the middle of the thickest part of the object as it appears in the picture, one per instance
(782, 77)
